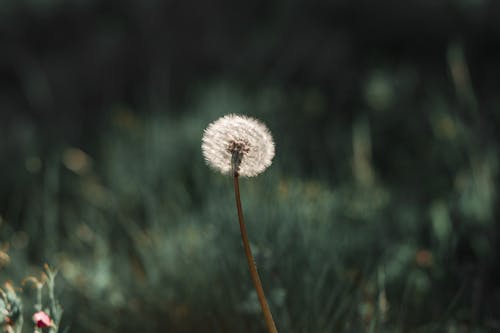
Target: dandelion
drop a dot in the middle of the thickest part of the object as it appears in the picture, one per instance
(240, 142)
(241, 146)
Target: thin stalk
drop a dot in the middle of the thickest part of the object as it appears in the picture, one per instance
(251, 262)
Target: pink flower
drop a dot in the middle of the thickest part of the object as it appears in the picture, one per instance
(42, 319)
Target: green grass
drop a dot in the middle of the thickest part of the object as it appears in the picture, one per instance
(146, 237)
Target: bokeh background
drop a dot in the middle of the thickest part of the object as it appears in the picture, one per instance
(380, 211)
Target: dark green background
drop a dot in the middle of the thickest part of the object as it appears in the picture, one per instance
(386, 117)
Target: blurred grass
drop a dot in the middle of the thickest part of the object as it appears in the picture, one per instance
(379, 213)
(146, 238)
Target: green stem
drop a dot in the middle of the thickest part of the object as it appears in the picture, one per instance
(251, 262)
(38, 305)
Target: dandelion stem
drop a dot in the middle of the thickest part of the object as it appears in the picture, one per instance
(251, 262)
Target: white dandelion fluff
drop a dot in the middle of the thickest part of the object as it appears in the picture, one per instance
(238, 142)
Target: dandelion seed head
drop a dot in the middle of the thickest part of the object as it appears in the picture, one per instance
(238, 141)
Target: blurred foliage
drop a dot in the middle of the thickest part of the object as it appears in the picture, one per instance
(379, 212)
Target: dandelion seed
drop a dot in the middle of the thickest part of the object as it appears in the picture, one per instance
(240, 144)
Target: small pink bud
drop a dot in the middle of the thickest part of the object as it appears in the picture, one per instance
(42, 319)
